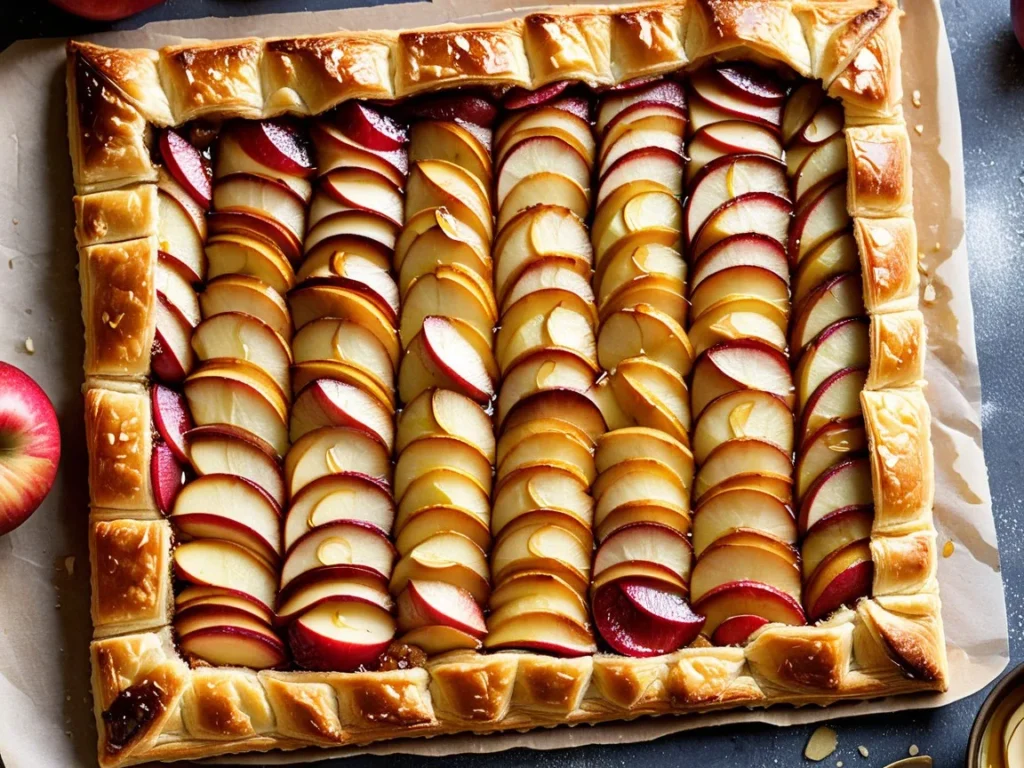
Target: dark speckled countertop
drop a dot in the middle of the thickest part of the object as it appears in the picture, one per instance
(990, 79)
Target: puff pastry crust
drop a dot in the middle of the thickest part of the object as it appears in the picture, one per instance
(151, 706)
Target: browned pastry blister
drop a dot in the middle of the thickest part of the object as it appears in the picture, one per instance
(150, 705)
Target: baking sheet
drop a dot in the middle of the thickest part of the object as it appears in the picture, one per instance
(45, 703)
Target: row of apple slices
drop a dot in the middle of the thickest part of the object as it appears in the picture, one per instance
(239, 394)
(830, 343)
(736, 228)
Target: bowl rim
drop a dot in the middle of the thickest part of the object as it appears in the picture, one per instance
(1010, 680)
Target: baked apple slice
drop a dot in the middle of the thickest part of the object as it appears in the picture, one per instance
(844, 344)
(740, 364)
(729, 137)
(747, 554)
(647, 543)
(718, 88)
(217, 449)
(835, 256)
(341, 496)
(837, 299)
(654, 395)
(571, 406)
(843, 485)
(834, 442)
(742, 414)
(541, 631)
(344, 341)
(748, 249)
(746, 599)
(249, 193)
(425, 523)
(454, 142)
(232, 645)
(761, 212)
(181, 227)
(738, 510)
(336, 150)
(250, 296)
(542, 547)
(656, 164)
(430, 453)
(329, 450)
(842, 578)
(448, 291)
(243, 337)
(819, 217)
(340, 547)
(644, 330)
(641, 617)
(252, 222)
(737, 283)
(833, 532)
(542, 370)
(549, 185)
(534, 154)
(552, 448)
(313, 302)
(331, 403)
(231, 254)
(541, 488)
(728, 177)
(194, 596)
(444, 413)
(435, 183)
(614, 448)
(444, 354)
(167, 476)
(553, 327)
(426, 603)
(740, 317)
(640, 482)
(171, 418)
(660, 92)
(225, 565)
(742, 457)
(174, 281)
(305, 594)
(340, 635)
(448, 557)
(836, 398)
(172, 358)
(443, 488)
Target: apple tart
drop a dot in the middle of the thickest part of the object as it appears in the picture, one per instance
(476, 378)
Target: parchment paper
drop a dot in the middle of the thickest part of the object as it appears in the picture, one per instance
(45, 703)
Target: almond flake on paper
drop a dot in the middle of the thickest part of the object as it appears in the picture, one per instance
(30, 346)
(915, 98)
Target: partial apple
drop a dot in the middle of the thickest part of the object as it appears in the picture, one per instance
(29, 446)
(640, 617)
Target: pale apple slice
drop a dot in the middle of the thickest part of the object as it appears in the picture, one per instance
(244, 337)
(430, 453)
(304, 596)
(740, 457)
(846, 484)
(546, 369)
(231, 645)
(549, 186)
(544, 632)
(358, 189)
(800, 109)
(335, 150)
(741, 414)
(820, 217)
(541, 488)
(309, 303)
(179, 234)
(653, 487)
(344, 341)
(339, 545)
(642, 442)
(451, 243)
(549, 275)
(760, 212)
(557, 449)
(746, 555)
(223, 564)
(835, 256)
(249, 295)
(836, 398)
(425, 523)
(180, 190)
(737, 283)
(449, 292)
(748, 598)
(648, 543)
(655, 164)
(340, 635)
(842, 578)
(443, 488)
(251, 222)
(741, 317)
(627, 266)
(609, 212)
(729, 177)
(662, 116)
(222, 449)
(440, 221)
(449, 557)
(173, 284)
(258, 194)
(612, 412)
(728, 137)
(426, 603)
(525, 585)
(741, 509)
(661, 92)
(844, 344)
(834, 442)
(662, 293)
(437, 639)
(567, 605)
(194, 596)
(824, 162)
(435, 183)
(331, 403)
(549, 517)
(239, 394)
(558, 328)
(362, 275)
(826, 123)
(452, 142)
(710, 86)
(510, 438)
(359, 224)
(341, 496)
(543, 547)
(833, 532)
(272, 148)
(540, 153)
(643, 330)
(304, 374)
(441, 356)
(640, 135)
(576, 408)
(545, 118)
(444, 413)
(172, 358)
(516, 136)
(838, 299)
(654, 395)
(320, 257)
(744, 250)
(331, 450)
(244, 255)
(741, 364)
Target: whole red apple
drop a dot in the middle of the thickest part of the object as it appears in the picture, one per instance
(29, 446)
(104, 10)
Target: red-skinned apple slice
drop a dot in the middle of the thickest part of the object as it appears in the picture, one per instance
(241, 293)
(660, 92)
(309, 303)
(836, 255)
(256, 194)
(544, 632)
(838, 299)
(740, 364)
(550, 121)
(449, 557)
(335, 150)
(723, 96)
(173, 281)
(550, 274)
(727, 137)
(453, 106)
(370, 127)
(841, 579)
(843, 485)
(833, 532)
(740, 457)
(747, 554)
(329, 403)
(166, 476)
(520, 98)
(449, 291)
(330, 450)
(838, 397)
(820, 217)
(737, 283)
(737, 629)
(443, 413)
(342, 496)
(230, 508)
(186, 165)
(223, 449)
(745, 598)
(339, 545)
(748, 249)
(654, 164)
(825, 162)
(194, 596)
(800, 109)
(741, 509)
(741, 414)
(423, 603)
(728, 177)
(538, 153)
(666, 134)
(357, 189)
(546, 369)
(826, 123)
(646, 542)
(172, 419)
(844, 344)
(640, 618)
(304, 374)
(832, 443)
(259, 224)
(760, 212)
(551, 186)
(749, 82)
(429, 453)
(179, 233)
(340, 636)
(305, 594)
(216, 563)
(234, 646)
(244, 337)
(172, 357)
(276, 144)
(441, 356)
(574, 407)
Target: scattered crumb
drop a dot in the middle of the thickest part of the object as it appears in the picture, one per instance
(30, 346)
(913, 747)
(937, 246)
(821, 744)
(839, 764)
(919, 129)
(921, 266)
(929, 293)
(863, 750)
(69, 565)
(947, 550)
(57, 606)
(10, 263)
(915, 98)
(68, 697)
(14, 222)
